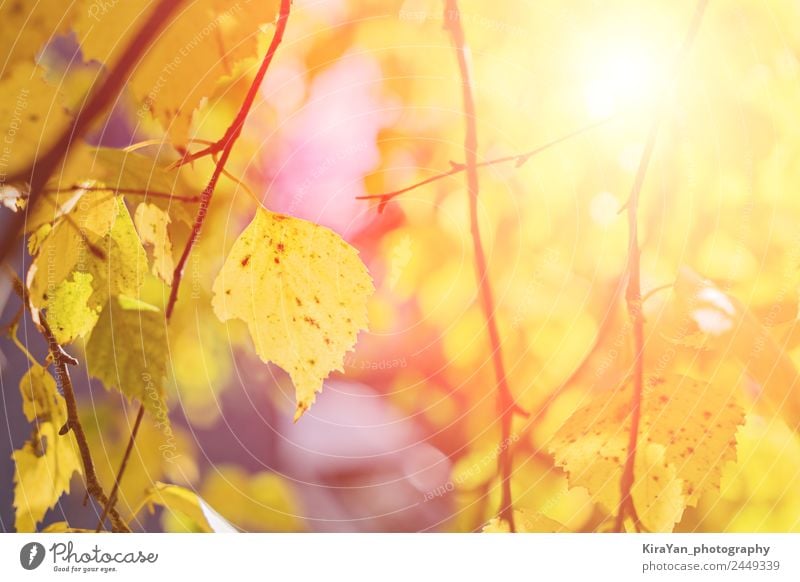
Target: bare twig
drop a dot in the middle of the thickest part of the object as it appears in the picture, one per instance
(225, 145)
(112, 499)
(506, 407)
(43, 167)
(128, 191)
(457, 167)
(633, 293)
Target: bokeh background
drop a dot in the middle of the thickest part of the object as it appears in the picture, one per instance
(364, 98)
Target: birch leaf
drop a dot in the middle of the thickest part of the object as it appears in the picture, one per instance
(127, 351)
(188, 60)
(45, 464)
(31, 116)
(70, 315)
(302, 291)
(103, 220)
(525, 523)
(709, 319)
(27, 26)
(152, 222)
(179, 499)
(686, 435)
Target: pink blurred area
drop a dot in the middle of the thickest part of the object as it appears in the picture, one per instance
(325, 145)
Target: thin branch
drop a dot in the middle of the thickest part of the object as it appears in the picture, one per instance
(506, 406)
(518, 159)
(128, 191)
(61, 359)
(43, 167)
(227, 141)
(633, 293)
(112, 499)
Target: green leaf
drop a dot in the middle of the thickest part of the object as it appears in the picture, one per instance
(127, 351)
(68, 308)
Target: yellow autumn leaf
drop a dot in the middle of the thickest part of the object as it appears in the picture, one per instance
(102, 219)
(704, 317)
(127, 351)
(114, 170)
(27, 26)
(69, 313)
(59, 248)
(64, 527)
(175, 498)
(687, 434)
(32, 116)
(302, 291)
(260, 502)
(188, 60)
(45, 464)
(525, 523)
(152, 222)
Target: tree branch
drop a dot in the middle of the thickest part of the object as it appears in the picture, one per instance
(112, 499)
(633, 293)
(457, 167)
(225, 145)
(128, 191)
(96, 103)
(506, 407)
(61, 359)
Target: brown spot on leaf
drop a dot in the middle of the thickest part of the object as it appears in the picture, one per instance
(245, 261)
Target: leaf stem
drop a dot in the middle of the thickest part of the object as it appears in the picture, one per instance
(506, 407)
(225, 145)
(633, 293)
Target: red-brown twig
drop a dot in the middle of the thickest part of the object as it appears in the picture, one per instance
(633, 293)
(506, 406)
(61, 360)
(41, 170)
(457, 168)
(144, 192)
(227, 142)
(112, 499)
(225, 145)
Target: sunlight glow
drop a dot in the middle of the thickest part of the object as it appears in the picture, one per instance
(620, 78)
